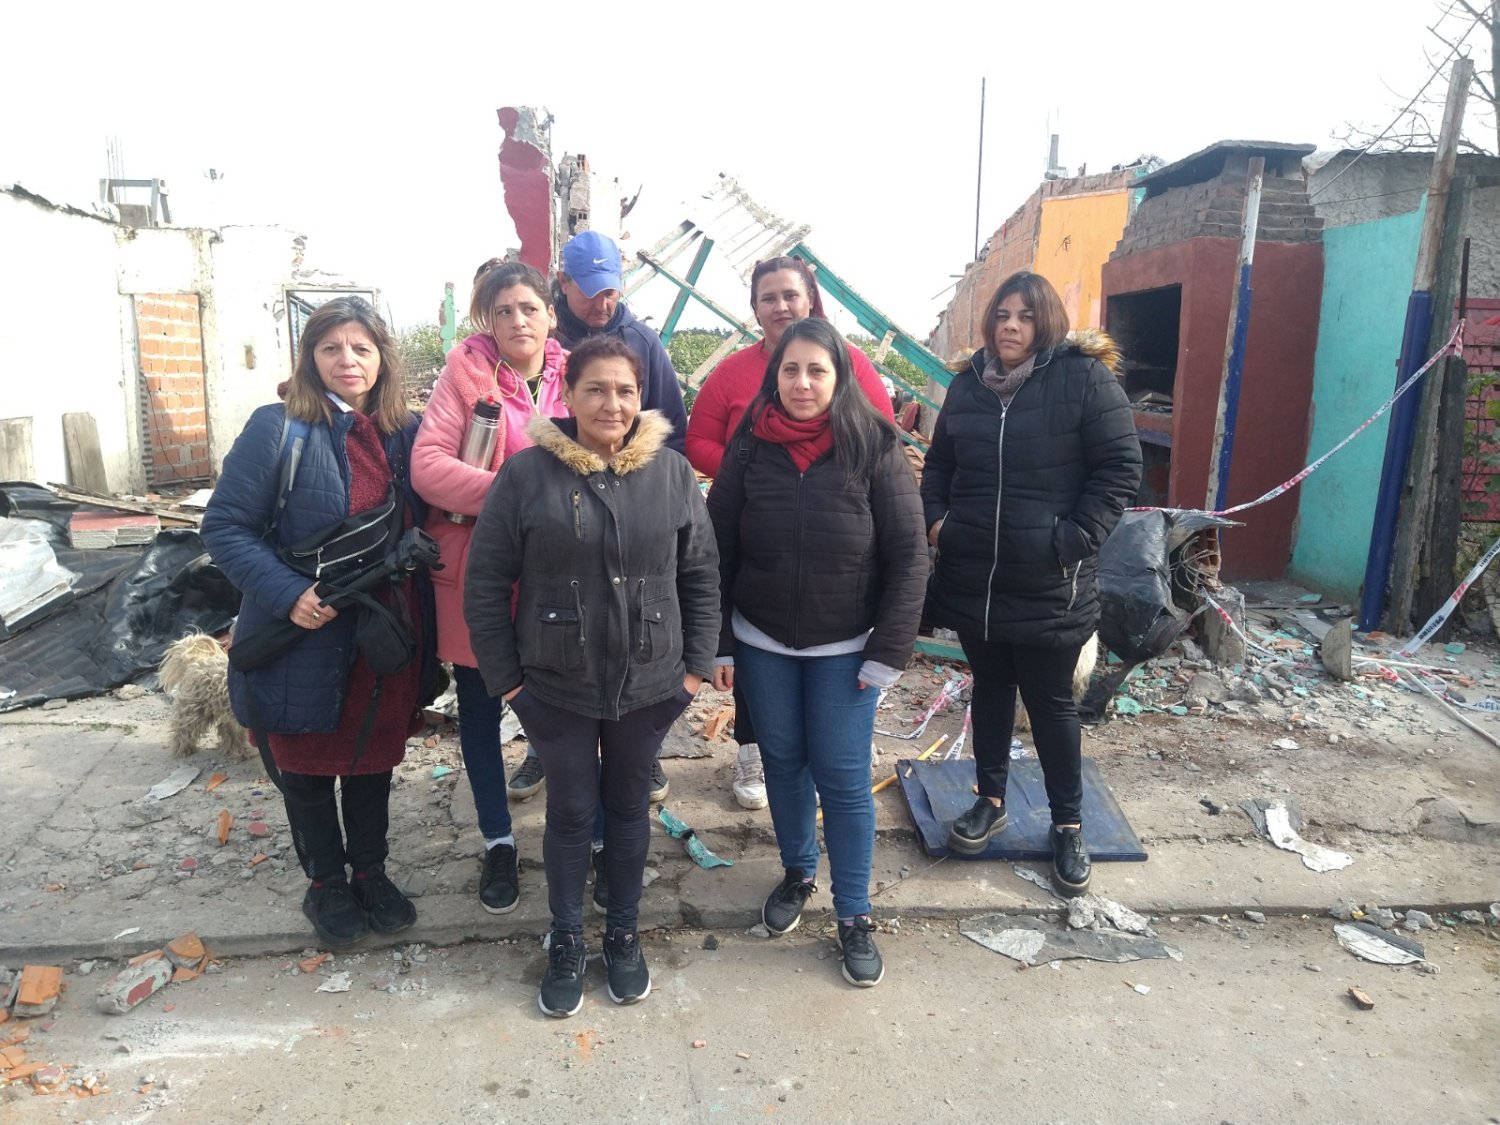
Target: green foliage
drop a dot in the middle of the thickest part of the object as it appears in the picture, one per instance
(895, 364)
(1481, 444)
(422, 347)
(689, 347)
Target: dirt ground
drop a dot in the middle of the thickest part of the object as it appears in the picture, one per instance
(1254, 1024)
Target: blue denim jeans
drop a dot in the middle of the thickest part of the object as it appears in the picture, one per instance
(814, 725)
(479, 739)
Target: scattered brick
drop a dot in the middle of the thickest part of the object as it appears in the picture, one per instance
(257, 859)
(11, 1057)
(226, 822)
(312, 964)
(185, 974)
(258, 829)
(215, 781)
(718, 722)
(147, 957)
(186, 951)
(38, 991)
(133, 985)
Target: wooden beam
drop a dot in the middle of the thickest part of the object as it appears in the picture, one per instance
(85, 463)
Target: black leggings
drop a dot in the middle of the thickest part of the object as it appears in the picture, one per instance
(1045, 678)
(310, 810)
(589, 762)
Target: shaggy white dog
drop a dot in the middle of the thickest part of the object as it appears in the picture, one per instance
(195, 674)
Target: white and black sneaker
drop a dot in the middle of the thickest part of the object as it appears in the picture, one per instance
(629, 978)
(561, 993)
(863, 967)
(783, 907)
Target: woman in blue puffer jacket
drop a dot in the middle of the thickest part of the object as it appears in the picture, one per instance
(320, 707)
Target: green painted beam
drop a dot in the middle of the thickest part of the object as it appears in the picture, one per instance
(678, 305)
(872, 320)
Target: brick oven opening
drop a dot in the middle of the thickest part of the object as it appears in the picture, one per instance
(1146, 325)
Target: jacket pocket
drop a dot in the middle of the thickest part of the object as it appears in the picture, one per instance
(556, 639)
(658, 628)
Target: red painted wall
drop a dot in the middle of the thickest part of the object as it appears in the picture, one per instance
(1275, 412)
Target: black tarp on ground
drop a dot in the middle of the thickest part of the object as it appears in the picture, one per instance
(938, 792)
(120, 629)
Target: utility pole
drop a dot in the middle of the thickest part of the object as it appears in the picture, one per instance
(1234, 344)
(1414, 341)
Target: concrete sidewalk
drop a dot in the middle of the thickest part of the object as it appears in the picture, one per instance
(85, 862)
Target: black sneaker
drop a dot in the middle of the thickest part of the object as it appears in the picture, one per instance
(1071, 866)
(388, 910)
(334, 912)
(629, 979)
(970, 834)
(561, 993)
(500, 881)
(601, 882)
(527, 781)
(783, 908)
(659, 782)
(863, 967)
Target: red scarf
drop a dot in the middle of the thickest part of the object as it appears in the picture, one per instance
(805, 441)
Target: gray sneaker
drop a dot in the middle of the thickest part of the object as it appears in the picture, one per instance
(527, 781)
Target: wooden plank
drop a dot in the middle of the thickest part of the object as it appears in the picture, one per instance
(85, 463)
(16, 461)
(104, 500)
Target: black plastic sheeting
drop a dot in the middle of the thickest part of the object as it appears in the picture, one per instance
(1139, 617)
(118, 630)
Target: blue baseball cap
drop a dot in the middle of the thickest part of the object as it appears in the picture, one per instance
(593, 262)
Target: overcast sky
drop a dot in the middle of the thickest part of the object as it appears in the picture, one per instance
(371, 128)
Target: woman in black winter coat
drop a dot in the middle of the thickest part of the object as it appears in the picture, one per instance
(592, 600)
(822, 564)
(1034, 458)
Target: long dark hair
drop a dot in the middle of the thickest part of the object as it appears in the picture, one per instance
(798, 267)
(861, 434)
(306, 396)
(497, 275)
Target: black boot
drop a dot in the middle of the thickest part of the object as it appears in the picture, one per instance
(334, 912)
(1070, 861)
(970, 834)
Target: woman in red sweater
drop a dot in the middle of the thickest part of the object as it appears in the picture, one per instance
(782, 291)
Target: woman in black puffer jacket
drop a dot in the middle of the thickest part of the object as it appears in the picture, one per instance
(1033, 459)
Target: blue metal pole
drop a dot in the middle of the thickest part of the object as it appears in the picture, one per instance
(1236, 368)
(1398, 444)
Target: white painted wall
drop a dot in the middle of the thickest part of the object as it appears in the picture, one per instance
(67, 339)
(61, 333)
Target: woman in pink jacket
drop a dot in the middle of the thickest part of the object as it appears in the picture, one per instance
(514, 360)
(782, 292)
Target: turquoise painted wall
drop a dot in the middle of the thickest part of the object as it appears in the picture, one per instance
(1367, 276)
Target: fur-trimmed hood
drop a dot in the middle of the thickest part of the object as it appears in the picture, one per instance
(1092, 342)
(559, 437)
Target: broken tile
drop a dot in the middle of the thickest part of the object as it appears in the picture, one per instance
(38, 991)
(215, 781)
(185, 951)
(225, 823)
(147, 957)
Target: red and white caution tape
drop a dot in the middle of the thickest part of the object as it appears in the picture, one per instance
(950, 692)
(1435, 622)
(1454, 345)
(956, 749)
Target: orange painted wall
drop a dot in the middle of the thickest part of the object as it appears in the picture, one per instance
(1076, 237)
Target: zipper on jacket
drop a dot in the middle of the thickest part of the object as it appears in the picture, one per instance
(577, 515)
(583, 632)
(989, 587)
(797, 565)
(640, 590)
(1073, 597)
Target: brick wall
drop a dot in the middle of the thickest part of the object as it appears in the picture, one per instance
(174, 417)
(1215, 208)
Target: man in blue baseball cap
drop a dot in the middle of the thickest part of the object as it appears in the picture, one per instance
(588, 302)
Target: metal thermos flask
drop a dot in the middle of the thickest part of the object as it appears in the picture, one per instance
(478, 445)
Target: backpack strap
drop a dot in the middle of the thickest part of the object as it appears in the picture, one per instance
(294, 433)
